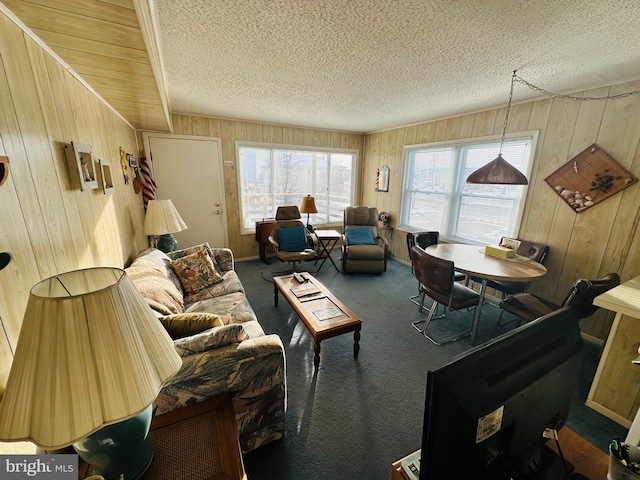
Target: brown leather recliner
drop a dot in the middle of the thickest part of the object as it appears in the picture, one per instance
(364, 250)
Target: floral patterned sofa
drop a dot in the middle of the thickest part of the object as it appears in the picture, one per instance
(200, 300)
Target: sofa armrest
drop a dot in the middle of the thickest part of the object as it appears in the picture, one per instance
(224, 257)
(253, 371)
(211, 339)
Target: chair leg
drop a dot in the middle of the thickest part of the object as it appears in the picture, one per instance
(432, 310)
(414, 297)
(450, 339)
(500, 324)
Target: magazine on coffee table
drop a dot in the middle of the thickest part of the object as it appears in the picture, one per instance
(327, 313)
(305, 289)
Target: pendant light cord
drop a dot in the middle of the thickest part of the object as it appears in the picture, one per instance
(569, 97)
(506, 117)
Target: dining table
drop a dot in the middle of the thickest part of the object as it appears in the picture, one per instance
(474, 262)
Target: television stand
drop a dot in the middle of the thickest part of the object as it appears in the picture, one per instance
(587, 459)
(547, 465)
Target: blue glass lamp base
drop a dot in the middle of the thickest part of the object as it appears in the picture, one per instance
(120, 451)
(167, 243)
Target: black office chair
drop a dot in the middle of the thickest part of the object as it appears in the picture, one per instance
(424, 240)
(436, 277)
(527, 306)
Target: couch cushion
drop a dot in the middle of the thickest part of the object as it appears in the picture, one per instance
(232, 308)
(359, 236)
(292, 239)
(156, 288)
(187, 324)
(203, 247)
(230, 284)
(196, 272)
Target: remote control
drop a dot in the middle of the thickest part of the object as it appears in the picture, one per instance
(299, 278)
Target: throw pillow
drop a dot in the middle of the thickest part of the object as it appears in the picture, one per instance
(215, 338)
(187, 324)
(203, 247)
(160, 293)
(359, 236)
(292, 239)
(195, 272)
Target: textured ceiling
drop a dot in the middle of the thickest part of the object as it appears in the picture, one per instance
(367, 65)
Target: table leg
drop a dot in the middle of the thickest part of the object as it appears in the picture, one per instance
(275, 294)
(356, 343)
(476, 316)
(327, 252)
(316, 355)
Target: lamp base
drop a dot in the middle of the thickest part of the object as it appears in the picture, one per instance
(167, 243)
(120, 451)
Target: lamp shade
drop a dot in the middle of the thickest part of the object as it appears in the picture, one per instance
(308, 205)
(162, 218)
(498, 171)
(90, 353)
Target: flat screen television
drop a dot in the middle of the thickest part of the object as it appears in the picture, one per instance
(486, 409)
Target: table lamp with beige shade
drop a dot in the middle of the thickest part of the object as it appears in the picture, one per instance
(90, 360)
(162, 220)
(308, 206)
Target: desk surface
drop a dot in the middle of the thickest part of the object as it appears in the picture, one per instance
(471, 260)
(624, 298)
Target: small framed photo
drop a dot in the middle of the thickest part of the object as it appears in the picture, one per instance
(133, 163)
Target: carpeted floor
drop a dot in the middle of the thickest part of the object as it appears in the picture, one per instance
(355, 417)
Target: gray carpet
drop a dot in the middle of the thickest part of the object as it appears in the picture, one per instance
(356, 417)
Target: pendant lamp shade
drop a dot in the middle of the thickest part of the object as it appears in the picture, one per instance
(90, 353)
(498, 171)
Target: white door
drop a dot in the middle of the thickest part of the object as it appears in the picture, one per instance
(188, 171)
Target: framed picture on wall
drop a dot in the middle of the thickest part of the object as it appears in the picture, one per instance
(382, 179)
(82, 165)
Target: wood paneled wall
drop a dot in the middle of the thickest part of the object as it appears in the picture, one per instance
(590, 244)
(47, 224)
(230, 131)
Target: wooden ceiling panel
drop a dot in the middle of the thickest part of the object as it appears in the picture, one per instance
(122, 13)
(102, 41)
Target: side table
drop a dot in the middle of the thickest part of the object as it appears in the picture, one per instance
(327, 240)
(387, 232)
(263, 230)
(198, 442)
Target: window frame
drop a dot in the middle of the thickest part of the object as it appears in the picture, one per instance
(455, 183)
(295, 148)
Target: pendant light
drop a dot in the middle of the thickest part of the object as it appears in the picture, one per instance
(499, 171)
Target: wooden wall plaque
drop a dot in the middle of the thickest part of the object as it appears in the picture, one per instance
(589, 178)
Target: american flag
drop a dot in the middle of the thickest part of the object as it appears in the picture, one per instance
(149, 189)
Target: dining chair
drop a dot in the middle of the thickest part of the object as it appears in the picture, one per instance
(436, 277)
(527, 306)
(290, 239)
(424, 240)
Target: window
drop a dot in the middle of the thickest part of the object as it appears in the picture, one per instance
(436, 196)
(271, 176)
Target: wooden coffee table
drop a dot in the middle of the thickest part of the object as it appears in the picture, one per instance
(322, 313)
